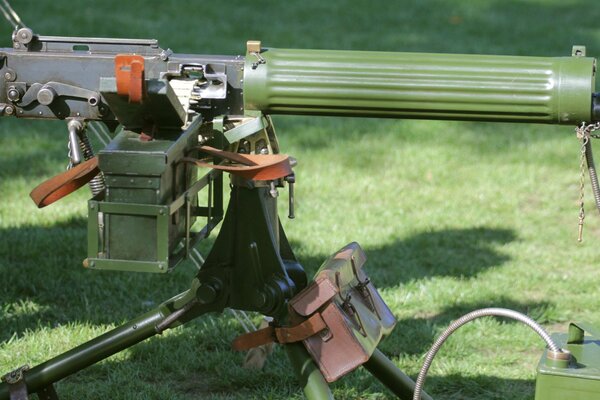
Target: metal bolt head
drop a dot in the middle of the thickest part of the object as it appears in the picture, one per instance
(10, 75)
(25, 35)
(13, 94)
(259, 299)
(9, 110)
(93, 101)
(46, 95)
(206, 293)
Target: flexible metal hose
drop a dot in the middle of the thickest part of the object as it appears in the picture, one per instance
(485, 312)
(589, 158)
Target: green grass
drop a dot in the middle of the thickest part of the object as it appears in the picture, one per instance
(453, 216)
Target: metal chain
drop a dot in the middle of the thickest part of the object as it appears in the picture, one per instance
(584, 133)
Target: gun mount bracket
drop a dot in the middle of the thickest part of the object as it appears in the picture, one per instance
(578, 51)
(254, 48)
(16, 384)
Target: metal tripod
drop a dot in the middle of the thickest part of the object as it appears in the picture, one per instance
(250, 267)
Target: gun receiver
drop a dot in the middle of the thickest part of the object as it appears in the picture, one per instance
(60, 77)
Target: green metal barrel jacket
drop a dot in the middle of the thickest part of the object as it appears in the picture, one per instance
(419, 85)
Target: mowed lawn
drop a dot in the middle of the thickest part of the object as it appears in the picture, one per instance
(453, 216)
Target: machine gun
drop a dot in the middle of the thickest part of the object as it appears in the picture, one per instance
(171, 115)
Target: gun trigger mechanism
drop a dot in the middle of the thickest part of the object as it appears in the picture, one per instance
(129, 71)
(47, 93)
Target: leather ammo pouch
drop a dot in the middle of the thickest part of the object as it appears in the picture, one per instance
(340, 316)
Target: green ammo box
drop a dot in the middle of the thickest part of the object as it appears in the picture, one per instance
(142, 219)
(580, 379)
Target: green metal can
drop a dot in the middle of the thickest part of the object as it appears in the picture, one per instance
(577, 379)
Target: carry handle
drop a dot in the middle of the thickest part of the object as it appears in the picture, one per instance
(577, 332)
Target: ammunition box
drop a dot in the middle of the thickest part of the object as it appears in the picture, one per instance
(138, 226)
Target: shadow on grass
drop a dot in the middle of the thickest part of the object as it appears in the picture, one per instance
(192, 363)
(44, 283)
(446, 252)
(456, 387)
(415, 335)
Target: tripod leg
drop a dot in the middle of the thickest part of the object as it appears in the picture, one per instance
(315, 386)
(387, 373)
(114, 341)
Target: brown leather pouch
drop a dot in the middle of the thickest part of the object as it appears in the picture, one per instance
(355, 314)
(340, 316)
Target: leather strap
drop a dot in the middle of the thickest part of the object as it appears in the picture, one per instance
(257, 338)
(297, 333)
(65, 183)
(251, 166)
(228, 155)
